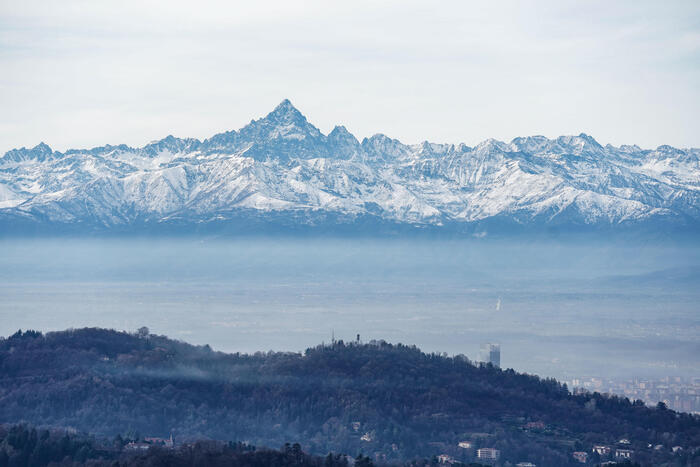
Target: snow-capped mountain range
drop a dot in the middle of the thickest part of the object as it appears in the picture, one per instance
(281, 170)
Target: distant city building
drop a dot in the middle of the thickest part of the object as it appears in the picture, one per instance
(488, 453)
(581, 456)
(525, 464)
(623, 453)
(132, 446)
(465, 444)
(601, 450)
(491, 353)
(680, 394)
(167, 442)
(446, 459)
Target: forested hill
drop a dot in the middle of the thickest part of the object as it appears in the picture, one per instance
(22, 445)
(391, 402)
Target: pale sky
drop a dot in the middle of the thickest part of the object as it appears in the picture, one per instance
(78, 74)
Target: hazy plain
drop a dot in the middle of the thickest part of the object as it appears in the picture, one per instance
(562, 309)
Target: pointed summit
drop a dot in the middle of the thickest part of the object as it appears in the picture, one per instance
(262, 138)
(40, 152)
(285, 121)
(285, 111)
(580, 145)
(340, 133)
(42, 148)
(343, 144)
(381, 147)
(172, 144)
(285, 105)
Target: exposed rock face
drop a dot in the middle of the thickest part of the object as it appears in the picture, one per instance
(282, 167)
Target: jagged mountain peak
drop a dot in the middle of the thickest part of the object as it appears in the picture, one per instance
(343, 144)
(167, 140)
(40, 152)
(171, 144)
(340, 130)
(103, 150)
(631, 148)
(285, 121)
(530, 143)
(666, 149)
(428, 149)
(285, 113)
(341, 135)
(42, 147)
(281, 163)
(381, 147)
(285, 107)
(581, 144)
(491, 146)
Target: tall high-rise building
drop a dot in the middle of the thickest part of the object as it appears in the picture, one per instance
(491, 353)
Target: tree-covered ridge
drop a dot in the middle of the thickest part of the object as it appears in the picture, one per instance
(22, 445)
(393, 402)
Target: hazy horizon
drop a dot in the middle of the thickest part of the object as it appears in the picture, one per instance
(81, 74)
(558, 308)
(517, 183)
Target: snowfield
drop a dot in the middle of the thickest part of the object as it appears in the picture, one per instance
(282, 165)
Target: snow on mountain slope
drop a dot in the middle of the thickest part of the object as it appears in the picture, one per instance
(281, 165)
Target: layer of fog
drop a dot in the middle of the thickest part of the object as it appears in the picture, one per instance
(558, 309)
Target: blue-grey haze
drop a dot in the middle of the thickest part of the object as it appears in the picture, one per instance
(559, 308)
